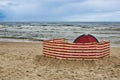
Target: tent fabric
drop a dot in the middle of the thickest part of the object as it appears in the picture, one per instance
(85, 39)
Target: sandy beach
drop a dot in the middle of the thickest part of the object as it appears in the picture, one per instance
(25, 61)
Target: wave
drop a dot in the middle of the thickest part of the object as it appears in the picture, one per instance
(69, 30)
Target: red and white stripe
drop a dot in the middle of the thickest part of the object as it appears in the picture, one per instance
(58, 48)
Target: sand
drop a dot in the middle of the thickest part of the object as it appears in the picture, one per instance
(25, 61)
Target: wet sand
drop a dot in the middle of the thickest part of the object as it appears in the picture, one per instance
(25, 61)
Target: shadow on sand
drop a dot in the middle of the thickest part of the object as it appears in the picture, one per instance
(57, 63)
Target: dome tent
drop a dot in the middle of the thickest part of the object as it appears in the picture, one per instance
(85, 38)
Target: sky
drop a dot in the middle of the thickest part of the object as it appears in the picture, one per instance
(60, 10)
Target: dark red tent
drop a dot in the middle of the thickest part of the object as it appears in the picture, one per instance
(85, 38)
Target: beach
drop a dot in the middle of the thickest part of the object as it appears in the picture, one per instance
(25, 61)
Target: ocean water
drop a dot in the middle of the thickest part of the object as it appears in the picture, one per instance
(38, 31)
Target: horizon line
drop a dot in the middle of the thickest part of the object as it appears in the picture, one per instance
(55, 21)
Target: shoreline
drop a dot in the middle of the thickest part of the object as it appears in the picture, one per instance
(18, 40)
(32, 41)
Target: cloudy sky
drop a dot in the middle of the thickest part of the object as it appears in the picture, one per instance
(60, 10)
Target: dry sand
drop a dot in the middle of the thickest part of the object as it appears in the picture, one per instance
(24, 61)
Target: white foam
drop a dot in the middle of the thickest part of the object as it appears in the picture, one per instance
(17, 40)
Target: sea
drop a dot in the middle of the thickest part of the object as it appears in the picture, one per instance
(39, 31)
